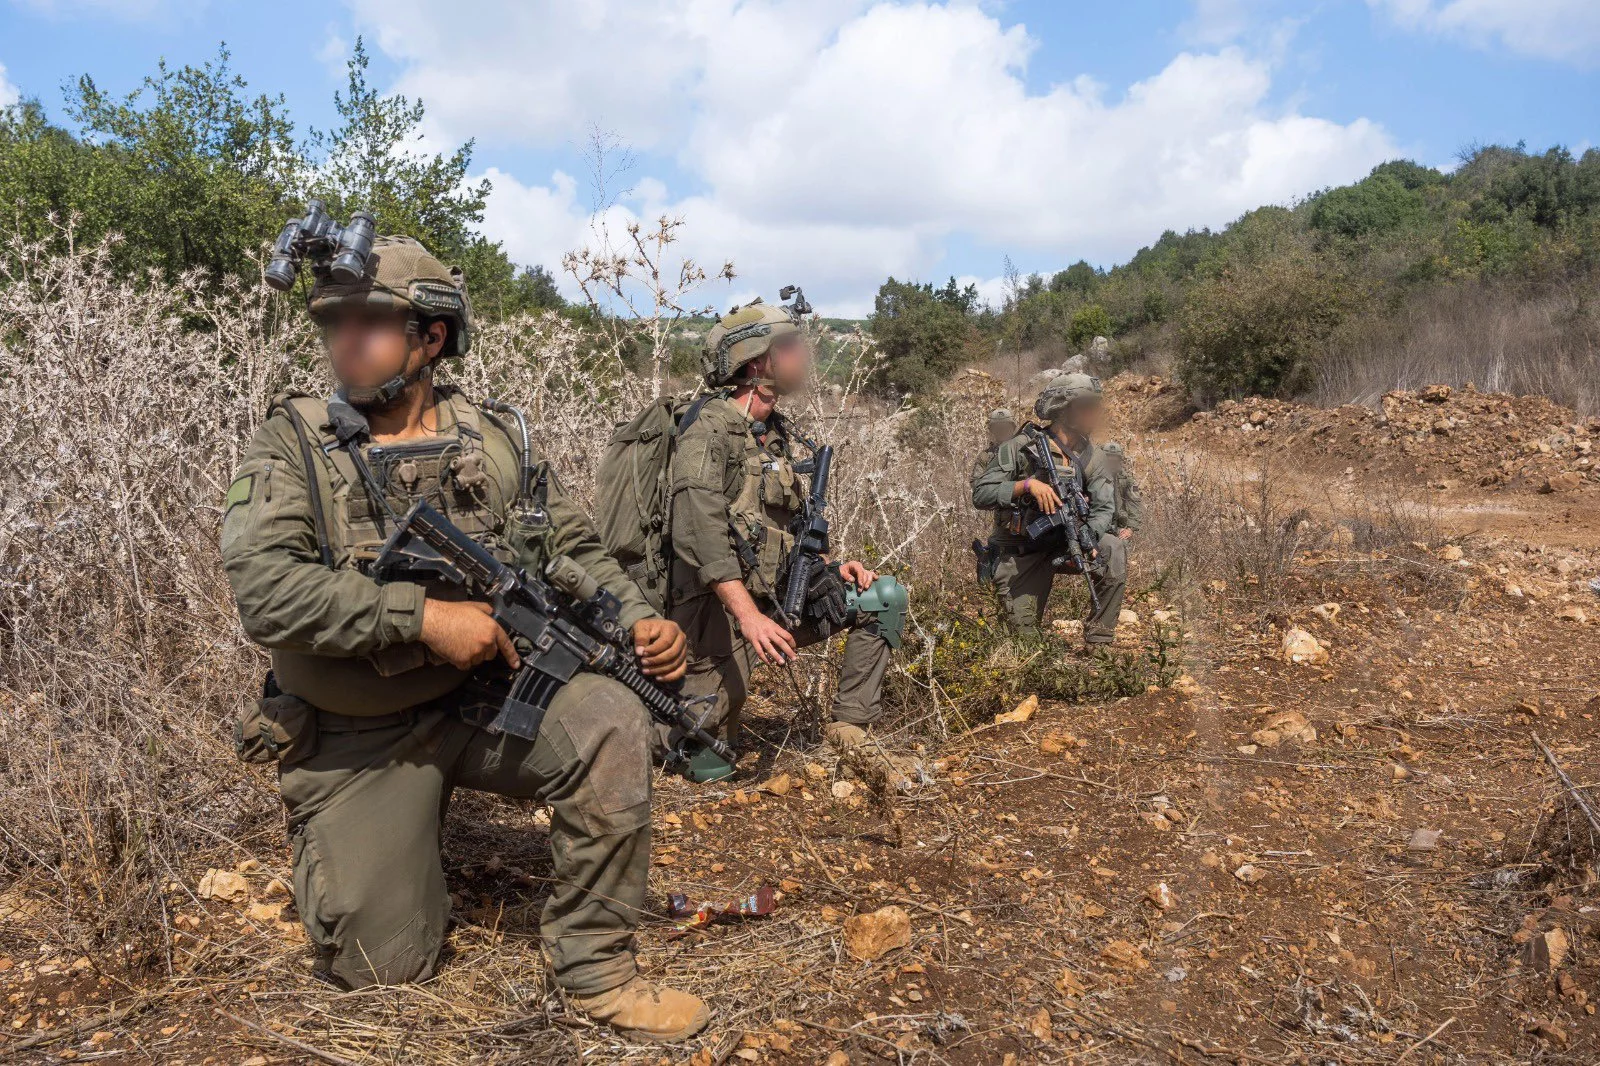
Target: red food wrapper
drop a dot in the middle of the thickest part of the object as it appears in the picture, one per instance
(690, 915)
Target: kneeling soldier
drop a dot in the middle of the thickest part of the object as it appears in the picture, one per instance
(375, 707)
(734, 493)
(1015, 488)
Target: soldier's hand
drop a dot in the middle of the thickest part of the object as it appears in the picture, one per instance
(1044, 497)
(464, 633)
(858, 574)
(773, 644)
(1125, 534)
(662, 648)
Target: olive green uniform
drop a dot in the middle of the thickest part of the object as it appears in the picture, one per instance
(734, 491)
(394, 730)
(1023, 575)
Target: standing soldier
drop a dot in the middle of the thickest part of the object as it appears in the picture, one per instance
(373, 710)
(734, 492)
(1130, 501)
(1000, 427)
(1013, 487)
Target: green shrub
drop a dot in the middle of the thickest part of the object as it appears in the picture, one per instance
(1255, 331)
(1088, 322)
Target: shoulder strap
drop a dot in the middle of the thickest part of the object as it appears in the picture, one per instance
(692, 414)
(319, 520)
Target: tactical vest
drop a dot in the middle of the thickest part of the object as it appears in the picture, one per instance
(470, 470)
(768, 496)
(1019, 458)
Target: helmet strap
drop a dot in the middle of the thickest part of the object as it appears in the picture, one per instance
(382, 397)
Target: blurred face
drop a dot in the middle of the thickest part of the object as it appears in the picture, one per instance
(367, 348)
(789, 363)
(1083, 417)
(1000, 432)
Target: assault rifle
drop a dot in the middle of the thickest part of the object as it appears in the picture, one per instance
(561, 624)
(810, 529)
(1065, 533)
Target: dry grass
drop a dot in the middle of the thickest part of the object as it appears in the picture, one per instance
(1493, 335)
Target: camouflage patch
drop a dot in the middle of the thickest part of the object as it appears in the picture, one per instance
(240, 492)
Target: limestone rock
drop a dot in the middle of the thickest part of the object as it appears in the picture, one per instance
(1301, 647)
(1284, 725)
(224, 885)
(1023, 712)
(869, 937)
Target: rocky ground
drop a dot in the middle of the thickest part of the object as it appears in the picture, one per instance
(1342, 835)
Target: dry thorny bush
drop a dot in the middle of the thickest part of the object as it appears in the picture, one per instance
(121, 658)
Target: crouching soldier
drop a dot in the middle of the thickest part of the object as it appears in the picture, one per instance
(1016, 487)
(1129, 515)
(734, 492)
(376, 705)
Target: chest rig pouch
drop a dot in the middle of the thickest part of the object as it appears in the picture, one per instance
(770, 492)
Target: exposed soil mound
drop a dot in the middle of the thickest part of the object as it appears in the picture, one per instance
(1443, 437)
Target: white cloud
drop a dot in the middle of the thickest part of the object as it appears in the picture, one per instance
(9, 93)
(837, 141)
(1566, 30)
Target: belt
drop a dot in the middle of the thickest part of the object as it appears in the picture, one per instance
(328, 722)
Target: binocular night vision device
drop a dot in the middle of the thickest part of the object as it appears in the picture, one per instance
(343, 249)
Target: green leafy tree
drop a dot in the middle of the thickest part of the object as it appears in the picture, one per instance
(189, 168)
(1080, 279)
(923, 335)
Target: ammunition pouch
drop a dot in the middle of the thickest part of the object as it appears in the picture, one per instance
(277, 728)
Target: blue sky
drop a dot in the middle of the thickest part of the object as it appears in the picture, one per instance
(833, 142)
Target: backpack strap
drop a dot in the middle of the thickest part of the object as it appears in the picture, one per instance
(289, 404)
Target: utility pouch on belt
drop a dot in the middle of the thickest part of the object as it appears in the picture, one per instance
(277, 727)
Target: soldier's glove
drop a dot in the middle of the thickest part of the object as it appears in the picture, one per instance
(825, 600)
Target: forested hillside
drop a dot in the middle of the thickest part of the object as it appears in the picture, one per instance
(1485, 273)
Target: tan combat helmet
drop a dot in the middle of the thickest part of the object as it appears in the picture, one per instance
(402, 275)
(742, 335)
(1000, 416)
(1063, 390)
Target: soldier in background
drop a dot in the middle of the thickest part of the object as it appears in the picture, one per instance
(1000, 427)
(374, 710)
(1012, 486)
(1129, 514)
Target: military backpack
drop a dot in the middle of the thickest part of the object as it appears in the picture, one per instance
(632, 507)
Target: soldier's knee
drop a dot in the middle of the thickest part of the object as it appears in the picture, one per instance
(1114, 553)
(611, 737)
(367, 927)
(378, 954)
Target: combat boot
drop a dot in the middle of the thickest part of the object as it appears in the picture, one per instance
(643, 1010)
(843, 736)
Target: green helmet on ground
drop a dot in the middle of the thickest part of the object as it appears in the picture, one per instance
(402, 275)
(742, 336)
(1064, 390)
